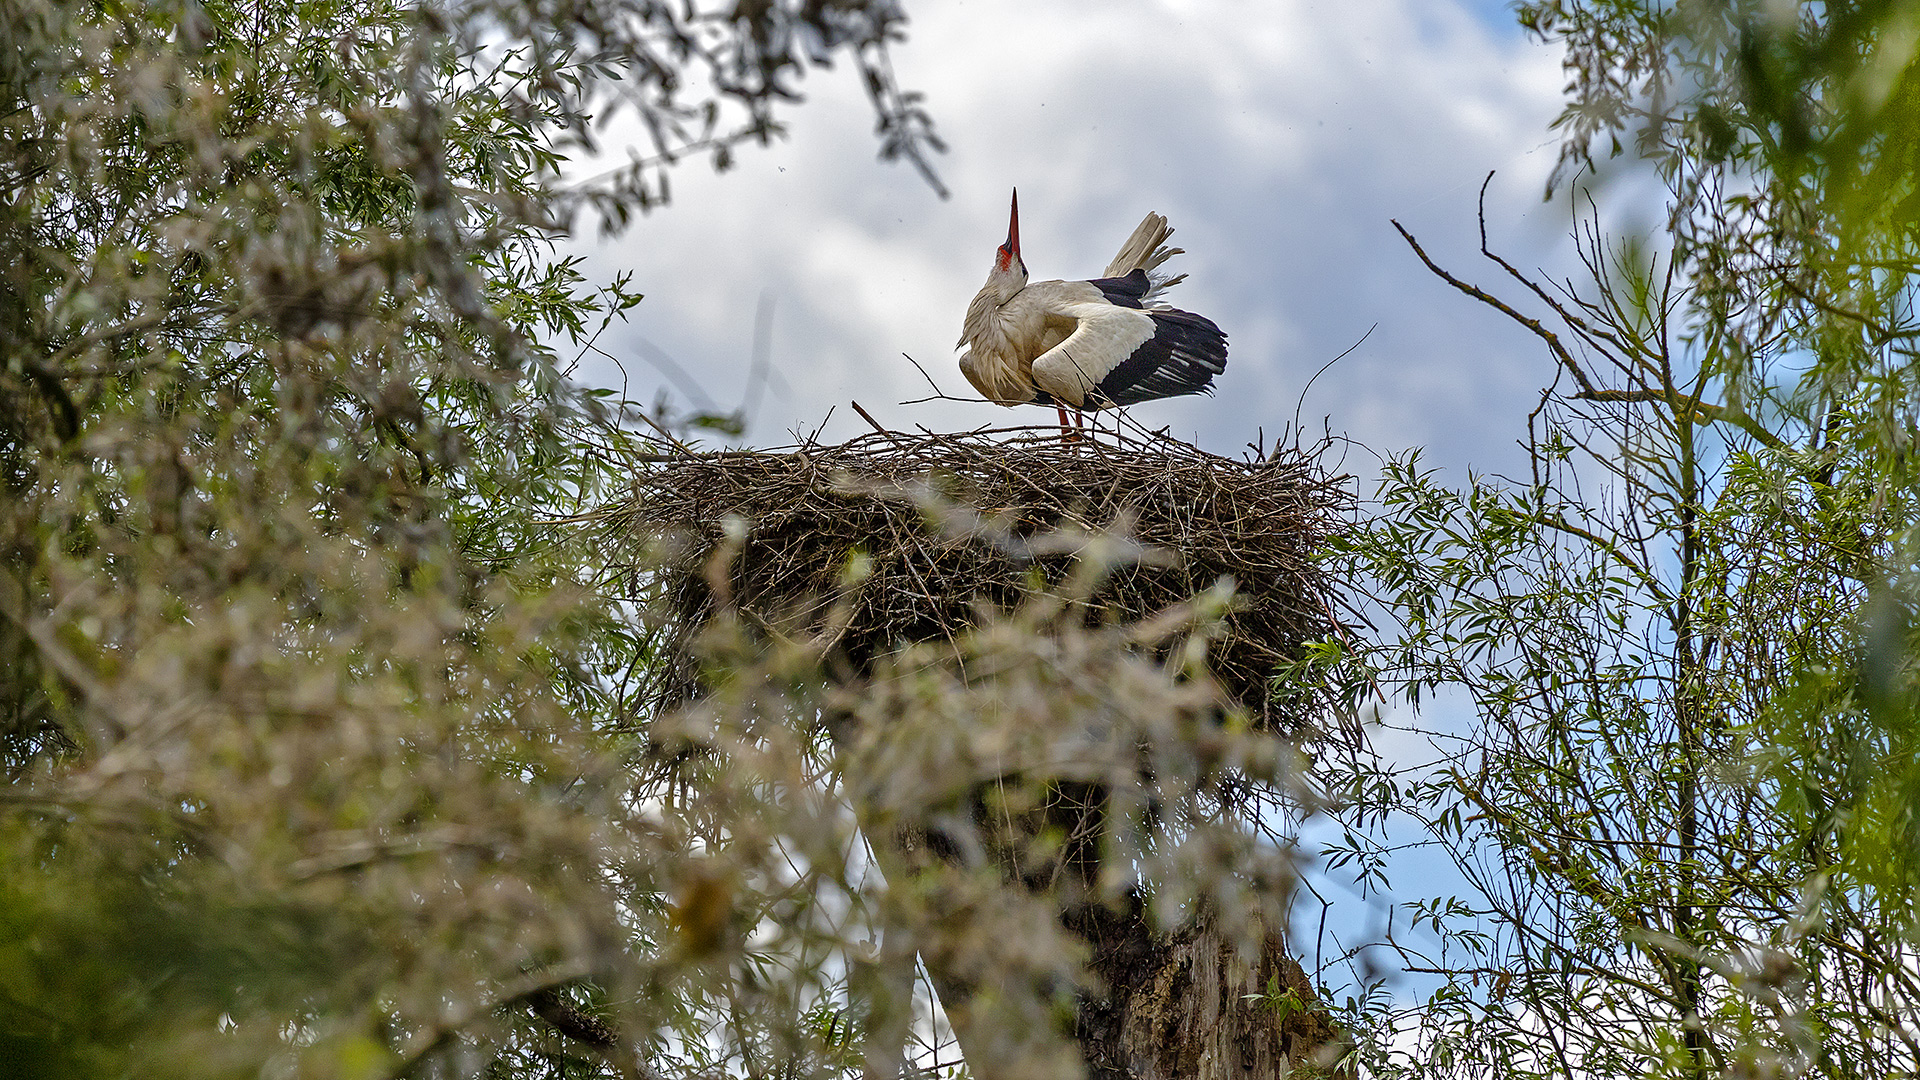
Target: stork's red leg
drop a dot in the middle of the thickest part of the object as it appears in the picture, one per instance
(1066, 433)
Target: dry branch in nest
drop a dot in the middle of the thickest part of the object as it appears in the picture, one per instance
(895, 538)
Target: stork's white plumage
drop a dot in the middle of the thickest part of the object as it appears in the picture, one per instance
(1088, 344)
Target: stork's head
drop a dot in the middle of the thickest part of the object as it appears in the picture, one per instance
(1007, 278)
(1009, 274)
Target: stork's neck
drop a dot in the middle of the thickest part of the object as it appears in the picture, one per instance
(982, 327)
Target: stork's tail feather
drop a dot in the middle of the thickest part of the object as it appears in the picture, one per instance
(1145, 250)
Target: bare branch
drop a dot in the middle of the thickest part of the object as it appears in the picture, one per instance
(1553, 340)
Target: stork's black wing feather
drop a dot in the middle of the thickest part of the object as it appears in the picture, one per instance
(1184, 354)
(1124, 291)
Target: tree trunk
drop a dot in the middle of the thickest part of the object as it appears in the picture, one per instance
(1184, 1004)
(1187, 1006)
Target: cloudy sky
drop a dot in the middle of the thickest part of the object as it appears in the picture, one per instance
(1280, 136)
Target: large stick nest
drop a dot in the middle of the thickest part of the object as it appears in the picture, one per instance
(941, 524)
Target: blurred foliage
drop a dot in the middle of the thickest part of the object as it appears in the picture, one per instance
(305, 705)
(321, 755)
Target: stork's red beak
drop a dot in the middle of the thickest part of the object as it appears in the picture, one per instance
(1013, 230)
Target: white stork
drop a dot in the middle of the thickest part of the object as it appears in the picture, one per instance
(1088, 344)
